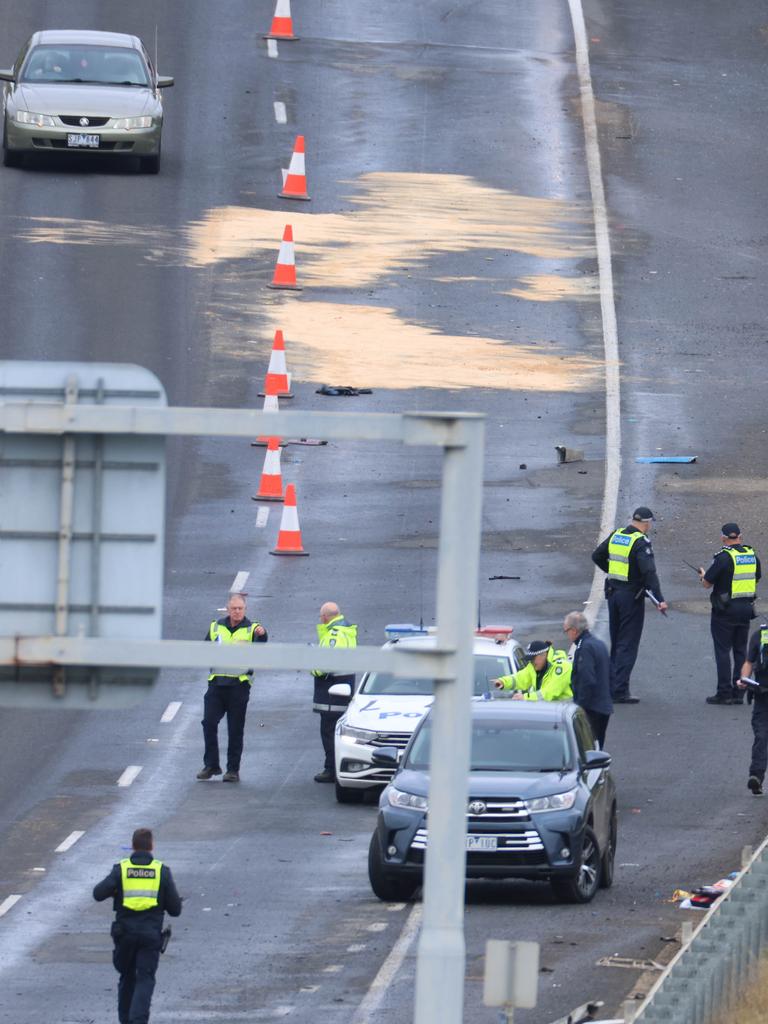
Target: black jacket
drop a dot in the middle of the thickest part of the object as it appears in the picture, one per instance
(169, 900)
(590, 677)
(642, 566)
(720, 575)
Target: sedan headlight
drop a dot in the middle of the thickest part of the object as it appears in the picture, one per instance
(558, 802)
(39, 120)
(399, 798)
(133, 122)
(367, 735)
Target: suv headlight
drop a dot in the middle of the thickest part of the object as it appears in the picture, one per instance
(399, 798)
(558, 802)
(39, 120)
(133, 122)
(367, 735)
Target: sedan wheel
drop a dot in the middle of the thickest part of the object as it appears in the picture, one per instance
(347, 795)
(581, 887)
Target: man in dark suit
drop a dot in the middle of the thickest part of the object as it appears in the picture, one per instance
(591, 674)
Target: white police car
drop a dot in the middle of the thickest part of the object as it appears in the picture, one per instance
(386, 709)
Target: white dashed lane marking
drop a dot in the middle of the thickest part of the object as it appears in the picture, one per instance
(357, 947)
(281, 115)
(129, 774)
(262, 516)
(272, 48)
(170, 712)
(377, 926)
(69, 842)
(239, 583)
(8, 902)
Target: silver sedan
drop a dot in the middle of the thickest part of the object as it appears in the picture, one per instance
(83, 92)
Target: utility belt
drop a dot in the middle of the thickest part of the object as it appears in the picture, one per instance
(636, 589)
(725, 603)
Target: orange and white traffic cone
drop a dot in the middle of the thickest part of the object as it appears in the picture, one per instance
(271, 483)
(295, 181)
(289, 537)
(282, 23)
(271, 404)
(277, 371)
(285, 270)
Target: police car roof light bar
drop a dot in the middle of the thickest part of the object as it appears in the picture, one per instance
(397, 630)
(495, 631)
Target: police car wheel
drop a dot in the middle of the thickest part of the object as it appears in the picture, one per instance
(349, 796)
(386, 887)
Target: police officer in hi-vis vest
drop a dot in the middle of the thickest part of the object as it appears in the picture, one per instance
(228, 693)
(627, 558)
(756, 668)
(333, 630)
(142, 889)
(732, 577)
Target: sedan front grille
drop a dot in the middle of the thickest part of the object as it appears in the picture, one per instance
(392, 739)
(74, 120)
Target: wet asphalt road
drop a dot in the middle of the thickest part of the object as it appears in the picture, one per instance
(106, 264)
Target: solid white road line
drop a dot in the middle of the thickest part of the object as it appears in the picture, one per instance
(281, 114)
(239, 583)
(607, 299)
(171, 711)
(272, 48)
(129, 774)
(375, 994)
(8, 902)
(69, 841)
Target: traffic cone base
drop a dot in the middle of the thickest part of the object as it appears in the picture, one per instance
(289, 537)
(282, 23)
(271, 482)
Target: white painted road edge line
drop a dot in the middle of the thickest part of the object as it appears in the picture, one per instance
(272, 48)
(240, 582)
(8, 902)
(375, 994)
(281, 114)
(129, 774)
(607, 299)
(71, 839)
(170, 712)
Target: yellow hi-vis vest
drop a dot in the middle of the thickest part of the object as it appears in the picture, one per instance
(619, 547)
(744, 582)
(555, 684)
(336, 633)
(141, 884)
(221, 635)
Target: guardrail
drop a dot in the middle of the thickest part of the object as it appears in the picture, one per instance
(719, 958)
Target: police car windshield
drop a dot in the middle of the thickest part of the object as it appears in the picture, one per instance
(505, 746)
(487, 667)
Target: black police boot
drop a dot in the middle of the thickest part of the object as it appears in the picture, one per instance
(717, 699)
(208, 773)
(231, 776)
(325, 776)
(755, 785)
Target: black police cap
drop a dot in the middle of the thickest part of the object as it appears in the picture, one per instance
(643, 514)
(731, 531)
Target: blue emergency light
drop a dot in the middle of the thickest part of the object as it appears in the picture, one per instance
(398, 630)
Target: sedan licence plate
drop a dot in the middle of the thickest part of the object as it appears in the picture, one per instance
(77, 140)
(481, 843)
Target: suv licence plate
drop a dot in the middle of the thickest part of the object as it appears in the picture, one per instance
(76, 140)
(481, 843)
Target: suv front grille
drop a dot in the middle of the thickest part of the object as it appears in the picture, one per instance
(506, 809)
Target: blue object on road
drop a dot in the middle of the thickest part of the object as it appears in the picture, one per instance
(666, 458)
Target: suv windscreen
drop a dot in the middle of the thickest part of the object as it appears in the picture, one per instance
(95, 65)
(487, 667)
(505, 746)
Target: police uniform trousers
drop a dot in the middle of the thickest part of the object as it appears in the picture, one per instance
(230, 699)
(135, 957)
(328, 720)
(626, 615)
(730, 637)
(759, 760)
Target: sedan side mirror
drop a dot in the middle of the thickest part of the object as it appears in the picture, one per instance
(163, 82)
(597, 759)
(7, 75)
(386, 757)
(340, 690)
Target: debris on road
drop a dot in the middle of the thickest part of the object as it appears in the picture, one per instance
(568, 454)
(666, 458)
(332, 389)
(703, 897)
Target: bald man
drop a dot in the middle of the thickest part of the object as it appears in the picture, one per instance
(333, 630)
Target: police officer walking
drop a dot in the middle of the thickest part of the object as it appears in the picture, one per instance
(333, 630)
(142, 890)
(756, 667)
(627, 558)
(228, 693)
(732, 577)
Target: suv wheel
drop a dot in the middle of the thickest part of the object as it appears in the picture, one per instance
(582, 886)
(386, 887)
(349, 796)
(609, 854)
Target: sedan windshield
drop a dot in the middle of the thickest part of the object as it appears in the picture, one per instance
(487, 667)
(505, 746)
(94, 65)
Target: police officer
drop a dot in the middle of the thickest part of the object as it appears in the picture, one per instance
(142, 890)
(756, 667)
(627, 558)
(732, 577)
(547, 676)
(227, 692)
(333, 630)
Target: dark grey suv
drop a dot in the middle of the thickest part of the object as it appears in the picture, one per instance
(542, 803)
